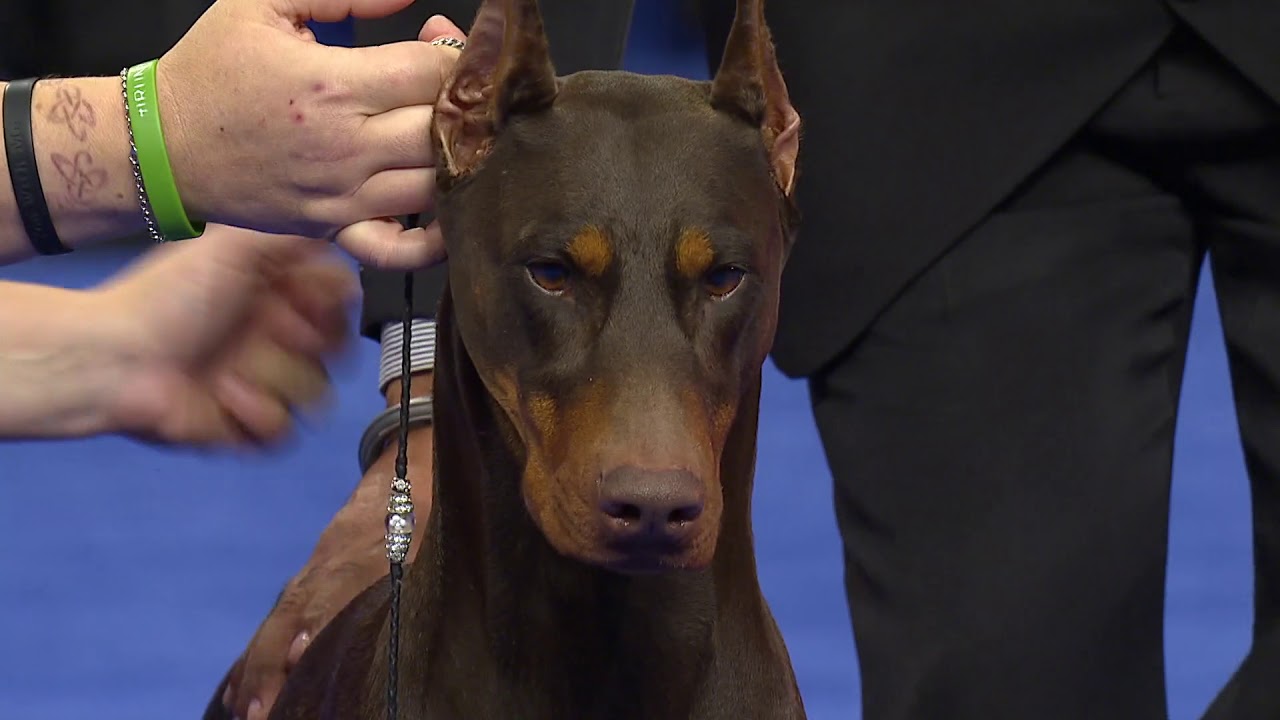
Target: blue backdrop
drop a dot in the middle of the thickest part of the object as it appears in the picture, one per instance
(133, 577)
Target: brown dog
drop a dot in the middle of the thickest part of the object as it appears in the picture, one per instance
(615, 246)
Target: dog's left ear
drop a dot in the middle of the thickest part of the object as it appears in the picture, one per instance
(505, 69)
(749, 84)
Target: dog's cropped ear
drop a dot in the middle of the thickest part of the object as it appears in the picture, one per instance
(749, 84)
(505, 69)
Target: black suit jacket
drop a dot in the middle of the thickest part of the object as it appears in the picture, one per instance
(921, 116)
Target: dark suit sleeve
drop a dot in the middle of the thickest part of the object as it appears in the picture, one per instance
(88, 37)
(583, 36)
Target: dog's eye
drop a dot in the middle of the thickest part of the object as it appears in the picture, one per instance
(722, 281)
(551, 276)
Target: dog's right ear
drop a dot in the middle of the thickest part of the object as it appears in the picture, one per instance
(505, 69)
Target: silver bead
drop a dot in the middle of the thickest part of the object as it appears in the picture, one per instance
(400, 521)
(398, 524)
(397, 548)
(401, 504)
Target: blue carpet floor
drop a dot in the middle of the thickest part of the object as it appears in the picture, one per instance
(131, 577)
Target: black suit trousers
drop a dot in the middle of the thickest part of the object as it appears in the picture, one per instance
(1001, 436)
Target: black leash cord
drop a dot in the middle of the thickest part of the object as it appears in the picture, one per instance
(402, 471)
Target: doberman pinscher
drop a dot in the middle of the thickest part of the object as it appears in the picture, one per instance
(615, 247)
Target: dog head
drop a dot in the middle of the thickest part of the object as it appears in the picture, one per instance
(616, 243)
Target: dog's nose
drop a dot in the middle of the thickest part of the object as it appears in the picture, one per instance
(650, 508)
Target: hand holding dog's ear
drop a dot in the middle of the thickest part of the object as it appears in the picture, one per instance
(373, 238)
(271, 130)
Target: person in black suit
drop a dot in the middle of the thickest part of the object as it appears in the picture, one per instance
(1006, 209)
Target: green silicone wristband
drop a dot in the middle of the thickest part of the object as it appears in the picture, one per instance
(153, 157)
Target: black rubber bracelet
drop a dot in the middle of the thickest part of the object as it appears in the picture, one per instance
(19, 148)
(374, 440)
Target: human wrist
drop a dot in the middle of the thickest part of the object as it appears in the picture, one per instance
(62, 359)
(375, 483)
(156, 130)
(82, 154)
(422, 352)
(420, 385)
(421, 436)
(383, 431)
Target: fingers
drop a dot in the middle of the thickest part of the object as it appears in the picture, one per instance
(438, 26)
(305, 326)
(231, 691)
(290, 379)
(264, 678)
(386, 194)
(264, 670)
(399, 191)
(259, 391)
(313, 316)
(399, 138)
(260, 417)
(387, 245)
(399, 74)
(337, 10)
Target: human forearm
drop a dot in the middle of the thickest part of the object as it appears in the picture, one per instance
(420, 455)
(60, 360)
(81, 143)
(356, 530)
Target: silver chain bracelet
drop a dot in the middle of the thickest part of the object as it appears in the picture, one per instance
(152, 229)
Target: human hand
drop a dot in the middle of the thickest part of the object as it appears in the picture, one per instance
(271, 130)
(217, 340)
(349, 557)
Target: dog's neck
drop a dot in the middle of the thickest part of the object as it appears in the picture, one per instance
(493, 615)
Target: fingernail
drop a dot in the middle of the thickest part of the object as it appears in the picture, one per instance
(226, 697)
(255, 710)
(299, 646)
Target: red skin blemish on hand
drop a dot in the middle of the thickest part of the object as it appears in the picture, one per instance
(318, 87)
(297, 118)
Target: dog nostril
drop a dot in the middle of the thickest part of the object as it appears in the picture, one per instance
(685, 514)
(623, 511)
